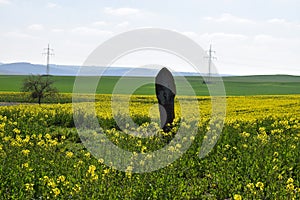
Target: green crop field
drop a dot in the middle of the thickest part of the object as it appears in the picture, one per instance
(235, 86)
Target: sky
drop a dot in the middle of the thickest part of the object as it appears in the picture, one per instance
(248, 37)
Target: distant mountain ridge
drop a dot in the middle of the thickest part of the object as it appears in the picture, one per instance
(25, 68)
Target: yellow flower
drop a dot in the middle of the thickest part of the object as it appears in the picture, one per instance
(290, 180)
(101, 160)
(290, 187)
(29, 186)
(237, 197)
(66, 183)
(88, 155)
(25, 152)
(129, 174)
(139, 143)
(129, 169)
(48, 136)
(171, 148)
(61, 178)
(263, 137)
(91, 169)
(106, 171)
(224, 158)
(6, 138)
(245, 134)
(262, 129)
(41, 143)
(80, 162)
(280, 177)
(250, 186)
(143, 149)
(69, 154)
(94, 177)
(91, 173)
(76, 188)
(260, 185)
(275, 154)
(25, 165)
(19, 139)
(46, 179)
(51, 183)
(56, 191)
(27, 138)
(17, 131)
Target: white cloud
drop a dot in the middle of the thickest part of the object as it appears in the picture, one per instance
(82, 30)
(52, 5)
(283, 22)
(123, 24)
(57, 30)
(262, 39)
(271, 41)
(36, 27)
(100, 23)
(6, 2)
(15, 34)
(227, 17)
(223, 36)
(276, 21)
(121, 11)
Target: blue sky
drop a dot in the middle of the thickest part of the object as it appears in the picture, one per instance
(249, 37)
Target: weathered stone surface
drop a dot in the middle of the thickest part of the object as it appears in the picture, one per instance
(165, 93)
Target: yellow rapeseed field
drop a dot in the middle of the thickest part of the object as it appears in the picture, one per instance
(256, 156)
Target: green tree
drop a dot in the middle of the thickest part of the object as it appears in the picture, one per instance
(39, 87)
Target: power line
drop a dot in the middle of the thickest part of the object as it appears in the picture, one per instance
(210, 58)
(48, 53)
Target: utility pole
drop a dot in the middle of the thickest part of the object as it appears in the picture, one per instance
(210, 58)
(48, 53)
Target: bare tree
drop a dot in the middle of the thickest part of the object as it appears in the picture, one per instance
(39, 87)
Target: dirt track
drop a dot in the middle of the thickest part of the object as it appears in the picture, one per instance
(9, 103)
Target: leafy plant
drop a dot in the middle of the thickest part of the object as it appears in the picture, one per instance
(39, 87)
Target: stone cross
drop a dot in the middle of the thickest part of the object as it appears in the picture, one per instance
(165, 92)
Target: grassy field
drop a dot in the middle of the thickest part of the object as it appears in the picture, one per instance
(235, 86)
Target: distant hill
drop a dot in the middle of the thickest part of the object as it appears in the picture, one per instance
(24, 68)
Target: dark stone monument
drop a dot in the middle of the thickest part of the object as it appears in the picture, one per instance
(165, 92)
